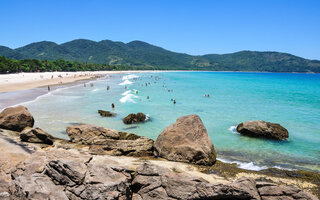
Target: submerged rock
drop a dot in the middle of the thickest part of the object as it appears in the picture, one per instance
(16, 118)
(104, 113)
(186, 140)
(134, 118)
(108, 141)
(263, 129)
(36, 135)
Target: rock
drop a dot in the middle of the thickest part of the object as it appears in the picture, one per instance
(16, 118)
(108, 141)
(263, 129)
(134, 118)
(273, 192)
(104, 113)
(90, 134)
(186, 140)
(154, 182)
(142, 146)
(36, 135)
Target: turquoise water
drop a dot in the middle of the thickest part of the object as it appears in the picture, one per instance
(293, 100)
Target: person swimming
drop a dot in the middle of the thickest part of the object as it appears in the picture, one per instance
(148, 97)
(174, 101)
(112, 105)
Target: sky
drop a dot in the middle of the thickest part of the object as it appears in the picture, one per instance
(195, 27)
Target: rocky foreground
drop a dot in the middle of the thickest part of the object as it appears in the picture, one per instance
(101, 163)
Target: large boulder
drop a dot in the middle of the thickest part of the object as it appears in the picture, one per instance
(16, 118)
(108, 141)
(186, 140)
(134, 118)
(263, 129)
(36, 135)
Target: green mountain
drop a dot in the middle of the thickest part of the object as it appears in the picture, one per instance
(142, 54)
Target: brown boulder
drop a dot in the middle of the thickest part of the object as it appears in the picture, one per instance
(36, 135)
(186, 140)
(16, 118)
(134, 118)
(263, 129)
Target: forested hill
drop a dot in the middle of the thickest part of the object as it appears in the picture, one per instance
(138, 54)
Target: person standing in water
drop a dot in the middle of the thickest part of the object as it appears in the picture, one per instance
(112, 105)
(48, 88)
(174, 101)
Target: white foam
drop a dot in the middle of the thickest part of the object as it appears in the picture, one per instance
(126, 92)
(147, 117)
(244, 165)
(130, 76)
(126, 82)
(251, 165)
(128, 98)
(233, 129)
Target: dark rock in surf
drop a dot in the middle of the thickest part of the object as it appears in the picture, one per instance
(134, 118)
(16, 118)
(263, 129)
(104, 113)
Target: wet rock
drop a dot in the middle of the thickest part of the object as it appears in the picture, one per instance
(263, 129)
(36, 135)
(134, 118)
(104, 113)
(186, 140)
(16, 118)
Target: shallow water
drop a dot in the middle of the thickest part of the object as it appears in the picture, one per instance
(293, 100)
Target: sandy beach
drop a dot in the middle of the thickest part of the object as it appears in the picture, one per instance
(24, 81)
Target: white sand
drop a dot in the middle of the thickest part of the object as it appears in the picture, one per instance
(24, 81)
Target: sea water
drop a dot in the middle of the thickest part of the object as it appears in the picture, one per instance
(293, 100)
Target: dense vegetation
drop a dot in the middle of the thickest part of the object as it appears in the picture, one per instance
(8, 65)
(141, 55)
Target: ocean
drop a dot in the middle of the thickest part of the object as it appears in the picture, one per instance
(291, 99)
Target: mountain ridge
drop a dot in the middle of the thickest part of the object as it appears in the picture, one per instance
(142, 54)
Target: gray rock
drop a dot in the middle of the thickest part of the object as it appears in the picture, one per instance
(36, 135)
(186, 140)
(271, 192)
(153, 182)
(16, 118)
(263, 129)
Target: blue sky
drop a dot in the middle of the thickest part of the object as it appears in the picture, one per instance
(194, 27)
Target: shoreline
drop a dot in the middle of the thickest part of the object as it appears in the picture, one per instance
(29, 80)
(25, 81)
